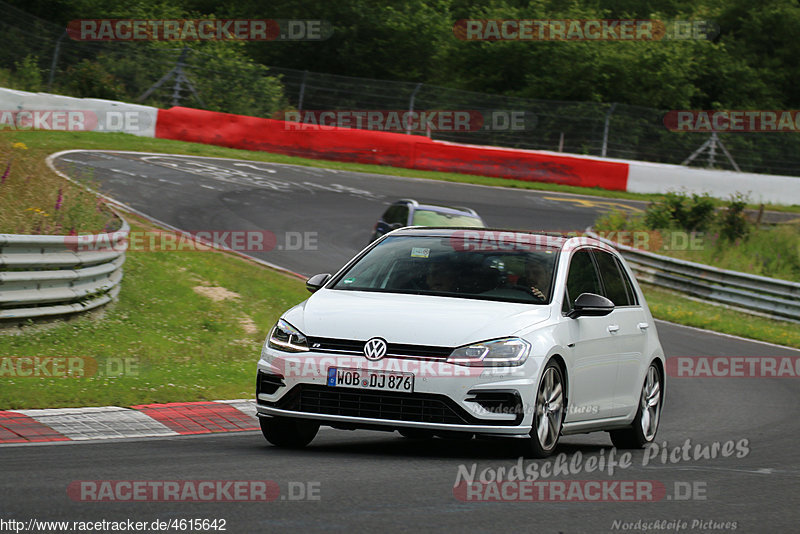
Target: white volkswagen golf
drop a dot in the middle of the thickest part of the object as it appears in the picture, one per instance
(465, 332)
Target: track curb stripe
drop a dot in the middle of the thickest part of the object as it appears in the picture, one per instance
(19, 428)
(115, 422)
(199, 417)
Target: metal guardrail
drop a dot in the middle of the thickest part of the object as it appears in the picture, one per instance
(44, 275)
(779, 299)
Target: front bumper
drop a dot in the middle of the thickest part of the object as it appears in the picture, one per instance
(446, 397)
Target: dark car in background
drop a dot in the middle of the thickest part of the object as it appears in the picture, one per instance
(409, 212)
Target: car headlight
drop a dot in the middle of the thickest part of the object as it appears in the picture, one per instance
(509, 351)
(287, 338)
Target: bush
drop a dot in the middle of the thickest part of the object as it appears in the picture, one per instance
(89, 79)
(678, 211)
(618, 220)
(27, 74)
(732, 221)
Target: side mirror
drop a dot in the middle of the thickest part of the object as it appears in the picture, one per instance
(592, 305)
(317, 281)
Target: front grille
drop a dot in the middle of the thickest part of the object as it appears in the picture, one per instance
(325, 344)
(418, 351)
(393, 350)
(418, 407)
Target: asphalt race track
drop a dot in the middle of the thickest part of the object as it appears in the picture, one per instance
(368, 481)
(337, 210)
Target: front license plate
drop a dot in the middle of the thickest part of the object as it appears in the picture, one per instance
(369, 379)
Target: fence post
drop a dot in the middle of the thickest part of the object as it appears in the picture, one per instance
(302, 92)
(411, 108)
(605, 130)
(55, 60)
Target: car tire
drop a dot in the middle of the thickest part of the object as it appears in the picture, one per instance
(645, 424)
(288, 433)
(416, 433)
(548, 415)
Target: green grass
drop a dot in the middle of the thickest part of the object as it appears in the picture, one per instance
(676, 308)
(48, 142)
(185, 346)
(772, 252)
(35, 200)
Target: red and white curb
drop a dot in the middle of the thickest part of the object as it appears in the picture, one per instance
(113, 422)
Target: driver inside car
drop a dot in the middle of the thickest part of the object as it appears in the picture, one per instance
(441, 277)
(536, 279)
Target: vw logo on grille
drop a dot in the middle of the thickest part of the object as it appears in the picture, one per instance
(375, 349)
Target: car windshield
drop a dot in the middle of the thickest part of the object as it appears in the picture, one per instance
(423, 217)
(507, 266)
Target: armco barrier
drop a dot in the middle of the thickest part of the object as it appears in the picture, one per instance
(766, 296)
(386, 148)
(43, 275)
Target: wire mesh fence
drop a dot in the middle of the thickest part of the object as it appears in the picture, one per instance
(220, 77)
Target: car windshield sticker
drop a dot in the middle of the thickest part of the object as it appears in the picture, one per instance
(348, 280)
(420, 252)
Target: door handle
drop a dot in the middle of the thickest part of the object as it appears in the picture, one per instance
(613, 328)
(643, 326)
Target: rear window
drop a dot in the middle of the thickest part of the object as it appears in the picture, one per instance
(435, 218)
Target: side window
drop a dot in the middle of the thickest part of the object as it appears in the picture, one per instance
(582, 276)
(391, 214)
(403, 216)
(612, 278)
(397, 214)
(632, 298)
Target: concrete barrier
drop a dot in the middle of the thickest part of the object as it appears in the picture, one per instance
(388, 148)
(646, 177)
(21, 110)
